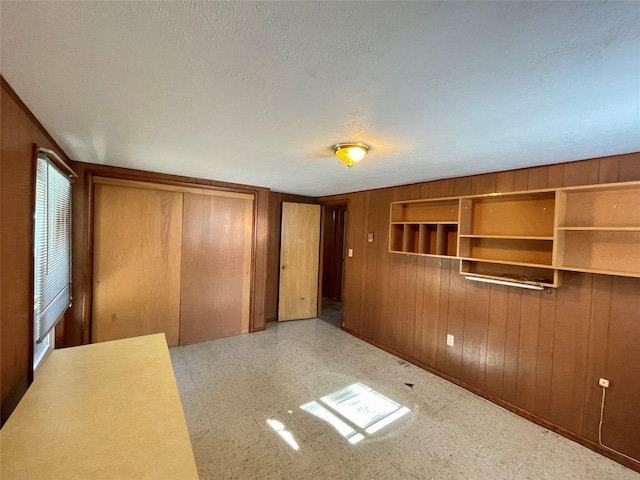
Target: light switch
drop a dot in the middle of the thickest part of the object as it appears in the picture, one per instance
(370, 237)
(350, 252)
(449, 340)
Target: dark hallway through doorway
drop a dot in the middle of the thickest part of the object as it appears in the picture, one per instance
(334, 224)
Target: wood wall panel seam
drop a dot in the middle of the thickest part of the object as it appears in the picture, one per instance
(505, 404)
(538, 349)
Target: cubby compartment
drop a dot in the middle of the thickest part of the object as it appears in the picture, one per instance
(609, 206)
(546, 277)
(509, 250)
(509, 236)
(427, 211)
(515, 215)
(411, 238)
(600, 251)
(428, 239)
(424, 227)
(527, 236)
(599, 229)
(447, 240)
(396, 235)
(424, 238)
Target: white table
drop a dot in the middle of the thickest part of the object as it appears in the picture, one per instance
(104, 411)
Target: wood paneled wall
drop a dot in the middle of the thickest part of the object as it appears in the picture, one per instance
(20, 131)
(77, 321)
(540, 354)
(273, 258)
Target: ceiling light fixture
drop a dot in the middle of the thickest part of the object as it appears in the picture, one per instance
(350, 153)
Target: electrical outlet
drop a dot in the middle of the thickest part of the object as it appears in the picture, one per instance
(350, 252)
(450, 340)
(370, 237)
(603, 382)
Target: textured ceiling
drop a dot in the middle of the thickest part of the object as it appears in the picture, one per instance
(257, 93)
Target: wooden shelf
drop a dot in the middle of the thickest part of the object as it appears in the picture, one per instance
(527, 235)
(424, 227)
(618, 273)
(508, 237)
(440, 239)
(508, 262)
(422, 254)
(604, 206)
(599, 251)
(518, 214)
(441, 210)
(507, 250)
(424, 223)
(601, 229)
(547, 277)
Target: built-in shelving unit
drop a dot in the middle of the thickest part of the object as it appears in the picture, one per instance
(599, 229)
(527, 237)
(509, 237)
(425, 227)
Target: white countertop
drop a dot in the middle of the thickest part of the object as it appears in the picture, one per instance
(109, 410)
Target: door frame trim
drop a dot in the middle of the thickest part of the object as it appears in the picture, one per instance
(323, 205)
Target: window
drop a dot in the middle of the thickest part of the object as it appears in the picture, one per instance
(41, 349)
(52, 251)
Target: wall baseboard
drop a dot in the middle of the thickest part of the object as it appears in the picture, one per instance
(512, 408)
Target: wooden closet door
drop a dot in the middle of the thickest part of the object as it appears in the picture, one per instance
(216, 266)
(136, 263)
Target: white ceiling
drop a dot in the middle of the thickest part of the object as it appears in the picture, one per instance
(257, 93)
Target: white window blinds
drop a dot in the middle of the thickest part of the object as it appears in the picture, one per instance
(52, 247)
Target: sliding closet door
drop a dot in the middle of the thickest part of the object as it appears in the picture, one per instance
(136, 269)
(216, 266)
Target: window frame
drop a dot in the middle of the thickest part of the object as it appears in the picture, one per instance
(53, 160)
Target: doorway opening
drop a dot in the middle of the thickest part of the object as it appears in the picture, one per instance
(334, 224)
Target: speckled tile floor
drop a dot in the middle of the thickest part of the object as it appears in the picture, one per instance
(231, 387)
(331, 312)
